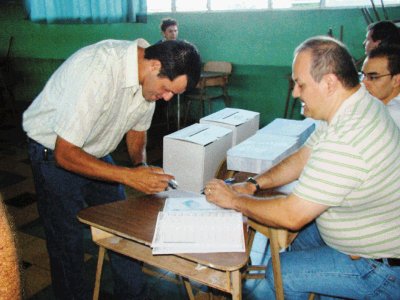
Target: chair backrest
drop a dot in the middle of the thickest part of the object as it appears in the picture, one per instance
(218, 66)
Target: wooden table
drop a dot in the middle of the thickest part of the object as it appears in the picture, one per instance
(127, 227)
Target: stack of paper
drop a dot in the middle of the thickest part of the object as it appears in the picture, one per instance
(294, 128)
(269, 146)
(193, 225)
(260, 152)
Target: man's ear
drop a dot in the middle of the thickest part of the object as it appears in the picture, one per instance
(331, 82)
(396, 79)
(155, 65)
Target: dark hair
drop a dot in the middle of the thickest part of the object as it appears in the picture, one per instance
(386, 32)
(177, 58)
(330, 56)
(165, 23)
(392, 53)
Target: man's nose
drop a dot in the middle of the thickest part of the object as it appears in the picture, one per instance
(295, 92)
(168, 96)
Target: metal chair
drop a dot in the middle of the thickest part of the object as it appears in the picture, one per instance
(213, 84)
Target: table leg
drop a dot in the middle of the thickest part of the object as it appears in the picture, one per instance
(236, 280)
(99, 269)
(188, 288)
(276, 264)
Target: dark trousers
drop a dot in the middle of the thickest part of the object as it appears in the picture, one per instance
(61, 195)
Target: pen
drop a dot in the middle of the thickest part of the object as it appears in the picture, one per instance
(173, 184)
(228, 181)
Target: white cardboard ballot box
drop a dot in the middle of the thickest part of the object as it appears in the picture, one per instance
(260, 152)
(194, 154)
(294, 128)
(244, 123)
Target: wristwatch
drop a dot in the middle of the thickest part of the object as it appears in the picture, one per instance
(253, 181)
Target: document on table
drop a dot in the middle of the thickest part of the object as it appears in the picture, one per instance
(193, 225)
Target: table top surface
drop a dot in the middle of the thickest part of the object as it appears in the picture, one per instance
(135, 219)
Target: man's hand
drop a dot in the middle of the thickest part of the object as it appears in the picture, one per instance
(218, 192)
(244, 188)
(149, 180)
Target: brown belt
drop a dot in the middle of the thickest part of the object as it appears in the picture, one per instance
(392, 262)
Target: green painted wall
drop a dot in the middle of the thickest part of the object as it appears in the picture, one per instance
(258, 43)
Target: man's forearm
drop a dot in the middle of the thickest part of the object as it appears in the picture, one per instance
(74, 159)
(136, 144)
(9, 266)
(286, 171)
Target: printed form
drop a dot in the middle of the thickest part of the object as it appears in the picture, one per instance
(193, 225)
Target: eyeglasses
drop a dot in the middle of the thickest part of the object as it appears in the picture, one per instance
(371, 76)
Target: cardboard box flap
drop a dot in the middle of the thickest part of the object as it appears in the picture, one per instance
(231, 116)
(201, 134)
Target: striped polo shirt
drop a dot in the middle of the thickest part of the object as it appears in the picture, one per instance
(354, 168)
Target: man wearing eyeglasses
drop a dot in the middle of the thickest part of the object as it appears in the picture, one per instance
(381, 76)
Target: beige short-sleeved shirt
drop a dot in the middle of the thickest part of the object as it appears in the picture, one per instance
(92, 99)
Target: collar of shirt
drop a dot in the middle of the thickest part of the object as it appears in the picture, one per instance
(132, 70)
(347, 105)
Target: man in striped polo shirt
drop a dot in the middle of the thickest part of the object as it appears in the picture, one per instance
(347, 202)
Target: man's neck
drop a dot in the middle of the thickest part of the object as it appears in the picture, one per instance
(393, 94)
(338, 99)
(141, 64)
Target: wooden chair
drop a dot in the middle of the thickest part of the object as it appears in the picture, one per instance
(211, 86)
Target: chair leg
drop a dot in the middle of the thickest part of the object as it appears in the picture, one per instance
(167, 115)
(187, 110)
(202, 103)
(227, 98)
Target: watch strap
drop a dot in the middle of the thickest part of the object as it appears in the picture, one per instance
(253, 181)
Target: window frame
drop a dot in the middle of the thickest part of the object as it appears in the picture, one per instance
(321, 5)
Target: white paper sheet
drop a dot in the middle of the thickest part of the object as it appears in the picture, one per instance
(198, 232)
(199, 203)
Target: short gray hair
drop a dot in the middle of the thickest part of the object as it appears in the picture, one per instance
(330, 56)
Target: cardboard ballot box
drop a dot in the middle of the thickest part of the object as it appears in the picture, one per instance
(243, 123)
(260, 152)
(194, 154)
(294, 128)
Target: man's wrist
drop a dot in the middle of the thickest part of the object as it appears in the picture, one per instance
(254, 182)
